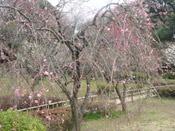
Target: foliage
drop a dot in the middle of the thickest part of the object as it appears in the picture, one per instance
(163, 15)
(9, 37)
(11, 120)
(166, 92)
(45, 4)
(140, 77)
(168, 75)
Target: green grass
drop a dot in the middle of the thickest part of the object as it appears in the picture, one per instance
(111, 115)
(153, 112)
(116, 114)
(145, 115)
(9, 83)
(92, 116)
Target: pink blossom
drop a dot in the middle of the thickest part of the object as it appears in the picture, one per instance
(62, 120)
(108, 29)
(49, 102)
(48, 118)
(36, 101)
(45, 60)
(22, 95)
(30, 97)
(38, 95)
(123, 82)
(7, 23)
(56, 77)
(79, 44)
(150, 24)
(71, 66)
(14, 107)
(17, 92)
(46, 73)
(0, 126)
(115, 69)
(133, 77)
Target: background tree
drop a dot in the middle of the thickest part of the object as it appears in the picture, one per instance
(163, 16)
(124, 45)
(47, 39)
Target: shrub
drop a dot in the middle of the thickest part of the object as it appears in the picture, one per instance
(140, 77)
(7, 102)
(12, 120)
(166, 92)
(60, 119)
(168, 75)
(160, 81)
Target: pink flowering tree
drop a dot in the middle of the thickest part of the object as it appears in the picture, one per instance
(116, 43)
(125, 45)
(51, 48)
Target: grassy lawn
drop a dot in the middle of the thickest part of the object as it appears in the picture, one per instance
(7, 86)
(144, 115)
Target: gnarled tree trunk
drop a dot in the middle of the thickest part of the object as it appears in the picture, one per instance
(122, 98)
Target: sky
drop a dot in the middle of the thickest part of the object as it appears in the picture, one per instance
(86, 9)
(90, 4)
(83, 11)
(93, 3)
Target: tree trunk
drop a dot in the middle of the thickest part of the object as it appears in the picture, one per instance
(123, 103)
(122, 98)
(76, 117)
(76, 120)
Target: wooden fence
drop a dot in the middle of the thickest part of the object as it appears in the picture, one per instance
(147, 92)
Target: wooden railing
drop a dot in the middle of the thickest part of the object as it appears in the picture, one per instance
(149, 92)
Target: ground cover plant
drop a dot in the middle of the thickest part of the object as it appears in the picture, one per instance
(12, 120)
